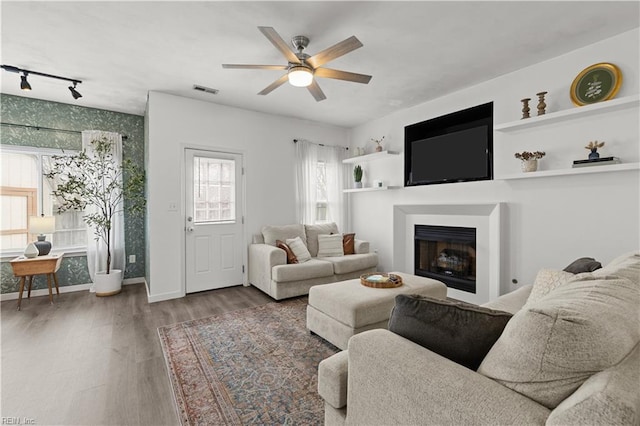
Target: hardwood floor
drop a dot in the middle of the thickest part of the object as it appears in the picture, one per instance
(97, 361)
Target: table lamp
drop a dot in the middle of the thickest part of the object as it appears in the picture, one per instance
(42, 225)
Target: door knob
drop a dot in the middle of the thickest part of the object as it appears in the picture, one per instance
(190, 229)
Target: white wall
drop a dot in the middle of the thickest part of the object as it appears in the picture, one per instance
(549, 221)
(266, 142)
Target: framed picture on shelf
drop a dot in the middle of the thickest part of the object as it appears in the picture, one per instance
(596, 83)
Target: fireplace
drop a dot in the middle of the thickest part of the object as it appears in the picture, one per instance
(447, 254)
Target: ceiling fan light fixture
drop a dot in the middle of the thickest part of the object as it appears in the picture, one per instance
(300, 76)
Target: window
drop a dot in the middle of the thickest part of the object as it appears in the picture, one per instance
(214, 189)
(321, 192)
(25, 192)
(320, 179)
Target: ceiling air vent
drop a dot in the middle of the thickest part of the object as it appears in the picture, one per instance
(205, 89)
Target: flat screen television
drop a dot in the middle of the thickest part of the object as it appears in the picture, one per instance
(457, 147)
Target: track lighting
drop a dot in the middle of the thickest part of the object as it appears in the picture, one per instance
(74, 92)
(24, 84)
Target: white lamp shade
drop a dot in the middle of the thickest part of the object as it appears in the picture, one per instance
(300, 76)
(42, 224)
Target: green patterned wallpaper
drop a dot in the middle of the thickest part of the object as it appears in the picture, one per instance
(35, 112)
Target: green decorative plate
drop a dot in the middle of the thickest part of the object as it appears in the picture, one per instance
(598, 82)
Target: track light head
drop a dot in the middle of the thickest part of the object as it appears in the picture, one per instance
(74, 92)
(24, 84)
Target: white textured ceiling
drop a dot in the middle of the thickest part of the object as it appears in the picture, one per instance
(415, 51)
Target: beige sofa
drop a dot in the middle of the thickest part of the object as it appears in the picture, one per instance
(578, 364)
(269, 271)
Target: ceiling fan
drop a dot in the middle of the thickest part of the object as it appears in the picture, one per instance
(302, 68)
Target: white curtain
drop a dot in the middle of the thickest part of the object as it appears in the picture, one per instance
(308, 154)
(96, 250)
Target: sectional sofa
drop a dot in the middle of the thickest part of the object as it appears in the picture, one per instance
(569, 355)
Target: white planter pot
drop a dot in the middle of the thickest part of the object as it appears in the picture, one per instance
(108, 284)
(530, 165)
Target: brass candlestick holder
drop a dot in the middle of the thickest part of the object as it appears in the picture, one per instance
(541, 105)
(525, 107)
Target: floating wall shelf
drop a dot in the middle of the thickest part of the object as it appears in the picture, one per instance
(568, 114)
(371, 188)
(573, 171)
(370, 157)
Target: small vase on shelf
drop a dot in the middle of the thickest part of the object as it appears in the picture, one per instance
(529, 160)
(529, 165)
(378, 143)
(593, 148)
(31, 251)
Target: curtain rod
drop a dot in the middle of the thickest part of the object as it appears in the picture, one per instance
(50, 129)
(321, 144)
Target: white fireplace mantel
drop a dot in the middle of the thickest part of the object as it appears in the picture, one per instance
(486, 218)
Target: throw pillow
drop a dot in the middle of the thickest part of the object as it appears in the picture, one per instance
(551, 347)
(330, 245)
(312, 232)
(584, 264)
(291, 258)
(349, 243)
(271, 233)
(460, 331)
(299, 249)
(546, 281)
(627, 266)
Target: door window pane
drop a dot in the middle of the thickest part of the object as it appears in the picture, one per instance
(214, 189)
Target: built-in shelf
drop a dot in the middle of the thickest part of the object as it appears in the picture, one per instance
(567, 114)
(573, 171)
(370, 157)
(371, 188)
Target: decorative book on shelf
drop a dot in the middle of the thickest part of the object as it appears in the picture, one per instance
(596, 162)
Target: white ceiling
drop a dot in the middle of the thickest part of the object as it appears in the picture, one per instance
(415, 51)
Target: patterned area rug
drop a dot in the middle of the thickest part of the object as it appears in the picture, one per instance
(253, 366)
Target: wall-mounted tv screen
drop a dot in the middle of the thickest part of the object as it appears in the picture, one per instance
(457, 147)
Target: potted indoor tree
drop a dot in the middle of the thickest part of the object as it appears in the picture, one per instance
(96, 184)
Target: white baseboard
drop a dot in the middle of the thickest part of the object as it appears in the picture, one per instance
(163, 296)
(64, 289)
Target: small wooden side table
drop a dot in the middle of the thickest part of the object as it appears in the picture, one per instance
(26, 269)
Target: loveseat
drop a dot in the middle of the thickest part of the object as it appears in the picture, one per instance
(569, 355)
(270, 271)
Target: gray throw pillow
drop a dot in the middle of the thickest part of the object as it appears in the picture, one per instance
(460, 331)
(584, 264)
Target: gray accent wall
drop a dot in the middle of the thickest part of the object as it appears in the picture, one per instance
(35, 112)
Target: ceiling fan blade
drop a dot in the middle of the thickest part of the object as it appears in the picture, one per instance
(335, 51)
(316, 91)
(279, 43)
(255, 67)
(273, 86)
(342, 75)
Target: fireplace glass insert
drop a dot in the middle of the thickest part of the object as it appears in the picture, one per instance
(447, 254)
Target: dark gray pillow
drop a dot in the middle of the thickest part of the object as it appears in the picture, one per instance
(460, 331)
(584, 264)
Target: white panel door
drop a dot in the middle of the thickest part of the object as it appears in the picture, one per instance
(213, 228)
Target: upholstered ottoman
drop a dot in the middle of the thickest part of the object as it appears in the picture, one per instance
(338, 311)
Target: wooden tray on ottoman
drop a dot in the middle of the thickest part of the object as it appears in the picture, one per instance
(390, 280)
